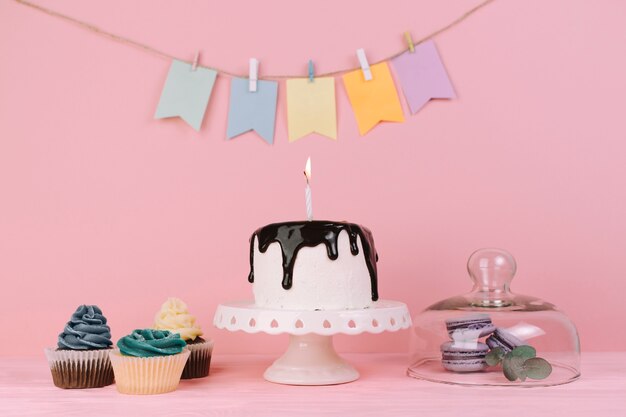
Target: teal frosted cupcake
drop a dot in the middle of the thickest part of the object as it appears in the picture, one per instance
(81, 358)
(149, 362)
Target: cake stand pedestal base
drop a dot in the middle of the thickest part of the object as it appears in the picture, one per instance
(310, 359)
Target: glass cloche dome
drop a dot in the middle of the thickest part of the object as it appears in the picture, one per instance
(491, 336)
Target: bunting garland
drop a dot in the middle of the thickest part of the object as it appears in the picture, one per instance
(311, 102)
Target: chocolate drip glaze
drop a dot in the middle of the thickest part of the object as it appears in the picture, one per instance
(295, 235)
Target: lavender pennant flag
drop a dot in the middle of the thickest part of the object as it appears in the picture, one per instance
(252, 110)
(422, 76)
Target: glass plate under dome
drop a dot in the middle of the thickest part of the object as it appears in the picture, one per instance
(492, 336)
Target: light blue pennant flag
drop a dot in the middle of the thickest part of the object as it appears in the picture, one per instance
(186, 93)
(252, 110)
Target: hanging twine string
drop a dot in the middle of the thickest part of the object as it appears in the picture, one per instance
(165, 55)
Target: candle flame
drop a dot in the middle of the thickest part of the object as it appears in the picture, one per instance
(307, 170)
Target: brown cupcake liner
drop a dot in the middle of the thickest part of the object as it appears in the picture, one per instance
(199, 361)
(75, 369)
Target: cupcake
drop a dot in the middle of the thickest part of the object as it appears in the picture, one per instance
(149, 362)
(175, 317)
(81, 358)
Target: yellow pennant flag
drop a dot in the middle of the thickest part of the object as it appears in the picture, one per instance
(375, 100)
(311, 107)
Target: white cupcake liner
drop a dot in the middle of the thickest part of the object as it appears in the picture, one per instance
(151, 375)
(80, 368)
(199, 361)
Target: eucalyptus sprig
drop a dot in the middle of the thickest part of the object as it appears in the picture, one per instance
(520, 363)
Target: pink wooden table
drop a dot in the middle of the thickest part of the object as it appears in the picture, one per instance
(236, 388)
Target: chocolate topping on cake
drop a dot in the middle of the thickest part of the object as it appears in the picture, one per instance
(294, 235)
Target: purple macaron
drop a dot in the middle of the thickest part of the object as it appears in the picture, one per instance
(463, 358)
(470, 327)
(504, 340)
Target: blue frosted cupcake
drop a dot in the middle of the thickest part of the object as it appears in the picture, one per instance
(81, 358)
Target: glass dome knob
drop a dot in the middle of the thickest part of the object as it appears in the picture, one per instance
(492, 271)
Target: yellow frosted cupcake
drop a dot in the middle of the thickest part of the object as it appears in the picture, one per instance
(149, 362)
(175, 317)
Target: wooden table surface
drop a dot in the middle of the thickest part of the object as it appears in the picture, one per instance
(236, 388)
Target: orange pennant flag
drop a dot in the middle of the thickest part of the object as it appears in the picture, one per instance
(375, 100)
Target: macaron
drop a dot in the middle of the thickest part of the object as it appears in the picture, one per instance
(463, 358)
(503, 339)
(470, 327)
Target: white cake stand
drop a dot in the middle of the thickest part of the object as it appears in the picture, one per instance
(310, 358)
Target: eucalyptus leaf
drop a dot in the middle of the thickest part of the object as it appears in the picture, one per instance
(513, 367)
(524, 351)
(537, 368)
(495, 356)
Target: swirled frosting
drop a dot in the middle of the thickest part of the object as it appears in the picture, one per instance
(175, 317)
(86, 330)
(144, 343)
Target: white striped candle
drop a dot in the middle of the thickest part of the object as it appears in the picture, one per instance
(307, 190)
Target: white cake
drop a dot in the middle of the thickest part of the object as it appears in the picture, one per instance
(317, 265)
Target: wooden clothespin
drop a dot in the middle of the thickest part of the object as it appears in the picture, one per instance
(311, 75)
(365, 66)
(194, 65)
(253, 74)
(409, 40)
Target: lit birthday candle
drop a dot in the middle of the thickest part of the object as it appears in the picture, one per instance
(307, 190)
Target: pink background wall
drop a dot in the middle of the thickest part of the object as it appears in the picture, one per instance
(102, 204)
